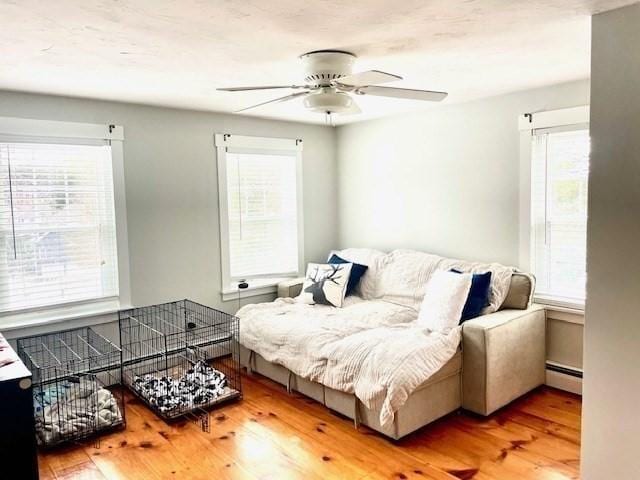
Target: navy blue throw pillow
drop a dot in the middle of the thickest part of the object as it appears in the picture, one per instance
(478, 295)
(356, 272)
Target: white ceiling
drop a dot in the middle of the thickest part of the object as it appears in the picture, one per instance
(176, 53)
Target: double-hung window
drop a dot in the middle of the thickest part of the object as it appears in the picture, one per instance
(260, 190)
(58, 233)
(559, 156)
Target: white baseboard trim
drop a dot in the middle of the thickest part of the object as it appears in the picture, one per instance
(564, 382)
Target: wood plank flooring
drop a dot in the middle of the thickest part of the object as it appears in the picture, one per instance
(273, 435)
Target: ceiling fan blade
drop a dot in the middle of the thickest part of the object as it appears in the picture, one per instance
(271, 87)
(286, 98)
(371, 77)
(407, 93)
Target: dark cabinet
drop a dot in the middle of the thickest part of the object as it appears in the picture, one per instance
(17, 429)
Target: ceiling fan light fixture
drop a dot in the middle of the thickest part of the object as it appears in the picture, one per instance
(328, 101)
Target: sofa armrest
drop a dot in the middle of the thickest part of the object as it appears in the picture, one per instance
(503, 357)
(290, 288)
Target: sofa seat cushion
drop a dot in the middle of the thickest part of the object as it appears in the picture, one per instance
(452, 367)
(373, 349)
(289, 333)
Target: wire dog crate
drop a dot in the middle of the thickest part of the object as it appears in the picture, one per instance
(75, 376)
(180, 358)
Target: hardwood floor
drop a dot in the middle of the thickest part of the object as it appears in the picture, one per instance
(273, 435)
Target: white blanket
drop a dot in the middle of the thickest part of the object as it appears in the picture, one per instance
(372, 349)
(84, 409)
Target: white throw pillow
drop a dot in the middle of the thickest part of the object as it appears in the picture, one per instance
(444, 298)
(325, 284)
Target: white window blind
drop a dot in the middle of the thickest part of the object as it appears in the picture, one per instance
(560, 166)
(262, 213)
(57, 224)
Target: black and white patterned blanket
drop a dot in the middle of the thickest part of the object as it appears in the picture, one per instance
(199, 385)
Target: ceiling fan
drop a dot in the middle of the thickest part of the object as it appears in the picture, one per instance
(330, 85)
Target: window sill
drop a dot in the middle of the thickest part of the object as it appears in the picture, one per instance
(560, 304)
(257, 286)
(53, 315)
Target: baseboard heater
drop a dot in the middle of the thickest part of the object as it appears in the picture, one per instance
(564, 369)
(564, 377)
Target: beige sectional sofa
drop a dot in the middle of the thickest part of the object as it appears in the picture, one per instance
(502, 356)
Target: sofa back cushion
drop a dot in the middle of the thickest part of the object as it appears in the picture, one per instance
(366, 288)
(520, 291)
(403, 276)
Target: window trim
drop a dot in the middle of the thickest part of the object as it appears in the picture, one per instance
(41, 130)
(224, 142)
(95, 313)
(527, 124)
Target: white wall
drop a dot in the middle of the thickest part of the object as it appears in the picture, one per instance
(444, 181)
(611, 421)
(171, 188)
(448, 181)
